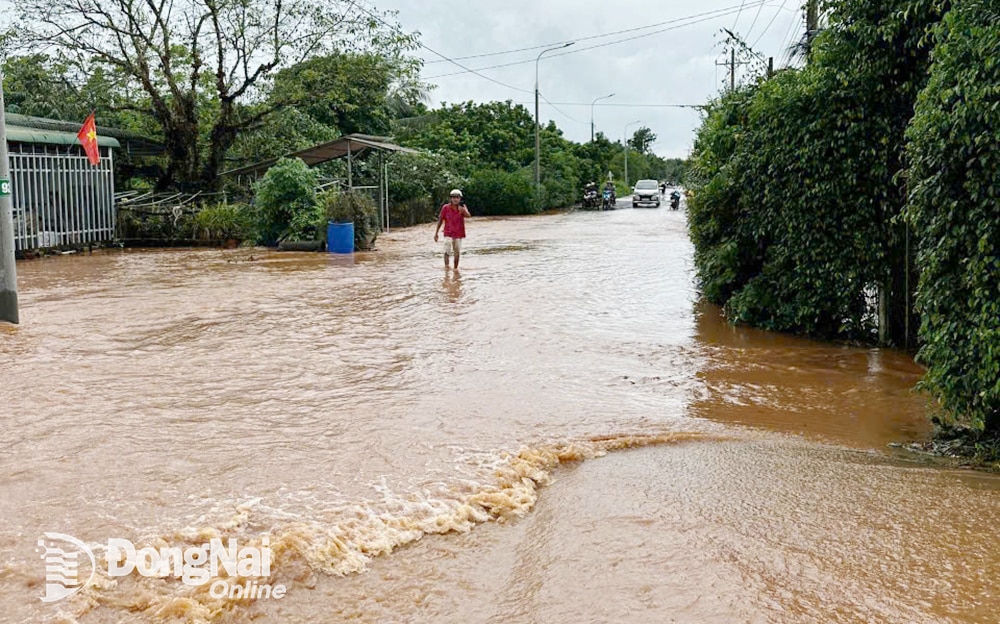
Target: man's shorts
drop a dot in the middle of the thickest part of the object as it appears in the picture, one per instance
(452, 245)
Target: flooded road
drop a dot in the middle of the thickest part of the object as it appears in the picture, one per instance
(559, 433)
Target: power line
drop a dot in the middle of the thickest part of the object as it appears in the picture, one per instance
(769, 24)
(710, 16)
(755, 18)
(789, 37)
(735, 21)
(431, 50)
(586, 123)
(590, 37)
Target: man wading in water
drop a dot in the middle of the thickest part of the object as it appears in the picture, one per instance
(453, 216)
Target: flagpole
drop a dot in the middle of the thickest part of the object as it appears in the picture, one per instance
(8, 270)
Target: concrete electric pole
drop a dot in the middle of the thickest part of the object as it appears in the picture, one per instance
(8, 270)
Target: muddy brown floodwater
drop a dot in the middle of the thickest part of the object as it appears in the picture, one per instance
(560, 433)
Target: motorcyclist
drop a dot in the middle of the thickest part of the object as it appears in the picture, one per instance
(590, 194)
(675, 199)
(609, 189)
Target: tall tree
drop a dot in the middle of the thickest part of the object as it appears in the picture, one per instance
(351, 92)
(201, 63)
(642, 139)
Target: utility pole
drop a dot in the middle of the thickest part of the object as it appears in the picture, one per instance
(732, 69)
(8, 270)
(731, 64)
(812, 24)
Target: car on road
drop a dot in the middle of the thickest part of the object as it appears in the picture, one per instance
(646, 193)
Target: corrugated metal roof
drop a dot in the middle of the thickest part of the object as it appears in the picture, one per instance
(52, 137)
(133, 143)
(337, 148)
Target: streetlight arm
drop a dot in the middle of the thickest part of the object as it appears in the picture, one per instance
(596, 100)
(539, 57)
(538, 148)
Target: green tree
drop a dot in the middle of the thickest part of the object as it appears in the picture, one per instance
(642, 139)
(201, 64)
(43, 86)
(500, 136)
(351, 92)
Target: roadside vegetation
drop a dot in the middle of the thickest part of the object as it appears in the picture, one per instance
(856, 198)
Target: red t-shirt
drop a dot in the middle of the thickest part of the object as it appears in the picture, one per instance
(454, 221)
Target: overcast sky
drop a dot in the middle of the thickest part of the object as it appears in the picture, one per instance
(673, 67)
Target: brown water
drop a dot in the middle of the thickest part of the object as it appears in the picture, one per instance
(559, 433)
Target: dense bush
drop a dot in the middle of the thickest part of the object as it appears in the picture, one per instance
(155, 226)
(953, 205)
(496, 192)
(562, 183)
(796, 189)
(416, 182)
(357, 208)
(499, 137)
(226, 222)
(286, 203)
(414, 211)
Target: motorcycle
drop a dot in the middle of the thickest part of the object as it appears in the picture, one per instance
(675, 200)
(609, 200)
(590, 198)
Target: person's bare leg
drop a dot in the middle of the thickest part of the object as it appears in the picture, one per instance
(457, 254)
(446, 261)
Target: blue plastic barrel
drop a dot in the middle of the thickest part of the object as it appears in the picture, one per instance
(340, 238)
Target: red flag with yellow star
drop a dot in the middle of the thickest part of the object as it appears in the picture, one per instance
(88, 138)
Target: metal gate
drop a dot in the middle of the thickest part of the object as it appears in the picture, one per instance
(59, 198)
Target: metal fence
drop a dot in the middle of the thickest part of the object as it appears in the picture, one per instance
(59, 197)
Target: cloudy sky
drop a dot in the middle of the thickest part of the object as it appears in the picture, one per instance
(673, 60)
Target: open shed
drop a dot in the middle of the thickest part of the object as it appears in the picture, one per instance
(349, 146)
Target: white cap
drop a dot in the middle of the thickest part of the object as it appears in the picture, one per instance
(455, 192)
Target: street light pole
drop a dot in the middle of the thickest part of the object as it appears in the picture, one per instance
(592, 113)
(8, 270)
(538, 140)
(625, 136)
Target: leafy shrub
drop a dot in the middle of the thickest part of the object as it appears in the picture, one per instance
(356, 208)
(561, 180)
(496, 192)
(797, 198)
(954, 149)
(226, 222)
(420, 176)
(413, 211)
(156, 226)
(286, 203)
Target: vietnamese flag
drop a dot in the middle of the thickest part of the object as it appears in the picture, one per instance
(88, 138)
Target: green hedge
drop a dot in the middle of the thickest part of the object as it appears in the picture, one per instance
(797, 197)
(954, 206)
(497, 192)
(226, 222)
